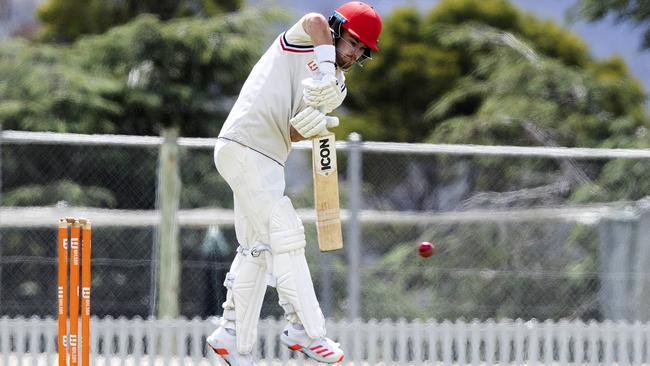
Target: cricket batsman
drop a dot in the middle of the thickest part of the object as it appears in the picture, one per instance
(286, 97)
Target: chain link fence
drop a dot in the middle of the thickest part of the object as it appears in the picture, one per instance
(543, 233)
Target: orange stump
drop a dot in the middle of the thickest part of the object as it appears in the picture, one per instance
(85, 292)
(62, 292)
(75, 235)
(78, 245)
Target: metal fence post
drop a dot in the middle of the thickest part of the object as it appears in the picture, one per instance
(169, 188)
(642, 279)
(353, 228)
(1, 204)
(326, 293)
(617, 235)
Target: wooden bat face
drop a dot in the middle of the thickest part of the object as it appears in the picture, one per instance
(326, 193)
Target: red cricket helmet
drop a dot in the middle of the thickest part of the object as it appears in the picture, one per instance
(360, 19)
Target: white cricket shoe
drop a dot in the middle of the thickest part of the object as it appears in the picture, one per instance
(223, 342)
(319, 349)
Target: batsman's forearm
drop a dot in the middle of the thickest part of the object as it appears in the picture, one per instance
(318, 29)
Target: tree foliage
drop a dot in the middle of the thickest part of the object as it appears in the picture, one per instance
(520, 89)
(421, 64)
(636, 12)
(528, 99)
(43, 89)
(67, 20)
(134, 78)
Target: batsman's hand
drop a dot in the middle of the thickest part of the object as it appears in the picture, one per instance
(324, 94)
(311, 122)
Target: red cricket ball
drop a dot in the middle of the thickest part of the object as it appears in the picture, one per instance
(426, 249)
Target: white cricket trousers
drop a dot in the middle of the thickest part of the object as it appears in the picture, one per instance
(257, 183)
(258, 186)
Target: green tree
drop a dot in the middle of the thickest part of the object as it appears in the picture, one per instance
(528, 99)
(134, 78)
(138, 78)
(66, 20)
(389, 97)
(43, 89)
(535, 86)
(636, 12)
(521, 91)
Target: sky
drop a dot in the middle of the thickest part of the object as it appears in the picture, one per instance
(604, 38)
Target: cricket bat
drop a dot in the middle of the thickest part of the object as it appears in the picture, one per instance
(326, 193)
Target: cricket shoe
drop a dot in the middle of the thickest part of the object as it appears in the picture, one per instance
(319, 349)
(223, 342)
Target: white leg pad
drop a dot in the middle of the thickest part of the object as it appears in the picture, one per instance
(228, 317)
(290, 268)
(245, 296)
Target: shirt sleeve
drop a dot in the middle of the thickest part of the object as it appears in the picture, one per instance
(297, 35)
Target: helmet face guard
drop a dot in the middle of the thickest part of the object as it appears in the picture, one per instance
(336, 21)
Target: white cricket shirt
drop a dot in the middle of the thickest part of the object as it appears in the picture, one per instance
(272, 95)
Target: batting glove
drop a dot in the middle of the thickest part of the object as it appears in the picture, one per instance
(311, 122)
(324, 94)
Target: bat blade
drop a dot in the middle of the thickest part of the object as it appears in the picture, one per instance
(326, 193)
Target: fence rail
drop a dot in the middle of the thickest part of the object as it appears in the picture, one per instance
(531, 232)
(55, 138)
(174, 342)
(31, 217)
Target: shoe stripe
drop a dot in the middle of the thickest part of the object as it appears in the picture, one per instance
(340, 359)
(316, 347)
(328, 354)
(221, 351)
(322, 350)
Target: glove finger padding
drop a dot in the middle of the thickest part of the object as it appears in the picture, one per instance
(325, 85)
(325, 94)
(329, 85)
(314, 100)
(329, 122)
(309, 122)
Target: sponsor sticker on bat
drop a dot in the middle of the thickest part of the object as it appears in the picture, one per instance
(325, 159)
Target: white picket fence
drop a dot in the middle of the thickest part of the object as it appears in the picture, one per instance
(182, 342)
